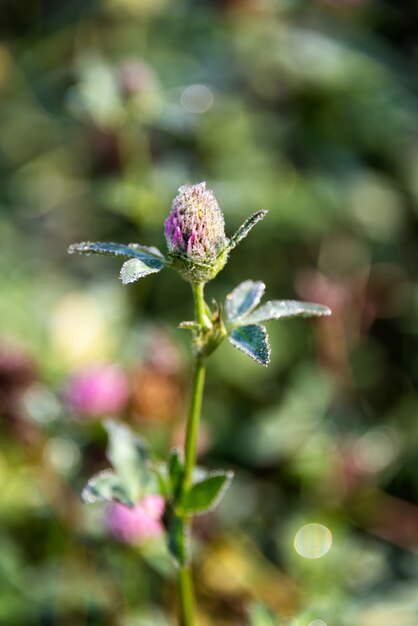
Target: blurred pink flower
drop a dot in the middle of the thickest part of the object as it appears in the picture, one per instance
(139, 523)
(97, 390)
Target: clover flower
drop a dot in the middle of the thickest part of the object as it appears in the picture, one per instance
(139, 523)
(97, 390)
(195, 233)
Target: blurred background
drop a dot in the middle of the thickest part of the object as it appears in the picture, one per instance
(309, 109)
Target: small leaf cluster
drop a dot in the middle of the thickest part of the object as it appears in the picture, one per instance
(144, 260)
(245, 318)
(135, 473)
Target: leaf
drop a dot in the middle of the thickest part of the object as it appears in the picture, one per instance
(129, 456)
(206, 494)
(282, 309)
(243, 299)
(178, 536)
(132, 250)
(148, 250)
(245, 228)
(107, 487)
(134, 269)
(253, 341)
(175, 470)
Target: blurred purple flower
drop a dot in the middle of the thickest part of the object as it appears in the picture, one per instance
(97, 390)
(138, 523)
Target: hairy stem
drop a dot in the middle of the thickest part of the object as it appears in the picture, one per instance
(185, 580)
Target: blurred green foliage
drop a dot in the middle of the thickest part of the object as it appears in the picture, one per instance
(309, 109)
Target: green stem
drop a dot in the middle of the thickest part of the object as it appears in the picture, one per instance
(185, 580)
(199, 304)
(193, 422)
(186, 593)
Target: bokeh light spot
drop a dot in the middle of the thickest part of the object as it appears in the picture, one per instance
(197, 98)
(317, 622)
(374, 451)
(61, 454)
(313, 541)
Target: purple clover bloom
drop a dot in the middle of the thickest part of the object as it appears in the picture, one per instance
(132, 525)
(195, 227)
(97, 390)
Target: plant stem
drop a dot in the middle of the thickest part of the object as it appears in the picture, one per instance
(185, 580)
(199, 304)
(193, 422)
(186, 593)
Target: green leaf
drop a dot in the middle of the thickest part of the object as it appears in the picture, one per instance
(245, 228)
(243, 299)
(178, 538)
(107, 487)
(253, 341)
(162, 486)
(129, 456)
(134, 269)
(130, 251)
(175, 470)
(282, 309)
(206, 494)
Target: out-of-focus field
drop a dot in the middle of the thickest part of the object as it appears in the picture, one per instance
(308, 109)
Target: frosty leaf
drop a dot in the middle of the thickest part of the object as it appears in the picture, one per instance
(243, 299)
(245, 228)
(133, 250)
(148, 250)
(206, 494)
(253, 341)
(282, 309)
(107, 487)
(129, 456)
(134, 269)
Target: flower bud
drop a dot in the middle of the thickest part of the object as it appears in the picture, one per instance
(195, 234)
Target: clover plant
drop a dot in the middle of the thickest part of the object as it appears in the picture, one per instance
(198, 249)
